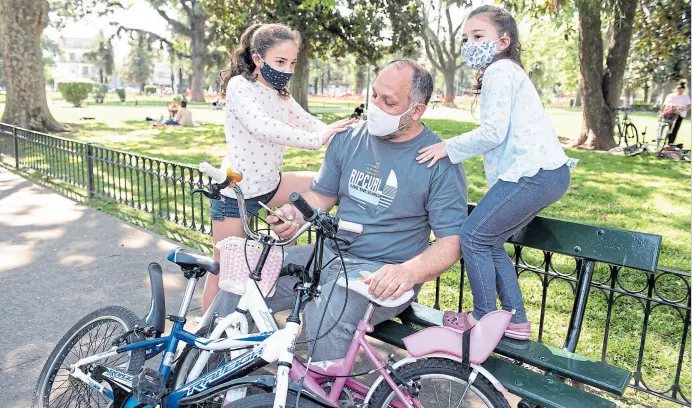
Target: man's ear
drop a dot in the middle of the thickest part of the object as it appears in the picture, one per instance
(418, 111)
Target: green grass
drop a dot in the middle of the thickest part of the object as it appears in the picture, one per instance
(638, 193)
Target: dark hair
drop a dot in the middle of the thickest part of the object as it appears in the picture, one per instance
(681, 85)
(183, 104)
(506, 26)
(421, 83)
(362, 105)
(257, 39)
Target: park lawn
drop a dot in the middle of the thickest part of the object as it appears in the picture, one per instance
(638, 193)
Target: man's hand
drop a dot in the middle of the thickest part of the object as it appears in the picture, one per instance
(284, 229)
(390, 281)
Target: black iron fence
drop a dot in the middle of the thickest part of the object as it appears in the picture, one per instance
(650, 313)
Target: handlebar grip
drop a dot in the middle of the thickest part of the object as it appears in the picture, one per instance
(350, 227)
(299, 202)
(218, 175)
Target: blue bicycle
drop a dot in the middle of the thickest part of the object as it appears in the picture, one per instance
(100, 362)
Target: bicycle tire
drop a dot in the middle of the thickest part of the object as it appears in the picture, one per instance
(662, 140)
(445, 369)
(111, 314)
(629, 129)
(267, 401)
(618, 132)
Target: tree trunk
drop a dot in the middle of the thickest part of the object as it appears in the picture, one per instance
(198, 50)
(628, 96)
(646, 93)
(101, 76)
(181, 88)
(21, 25)
(360, 80)
(449, 75)
(298, 87)
(602, 86)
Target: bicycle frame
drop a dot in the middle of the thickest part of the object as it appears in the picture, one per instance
(340, 370)
(269, 334)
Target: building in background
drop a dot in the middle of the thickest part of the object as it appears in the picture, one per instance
(70, 64)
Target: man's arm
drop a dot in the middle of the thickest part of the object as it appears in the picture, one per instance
(394, 280)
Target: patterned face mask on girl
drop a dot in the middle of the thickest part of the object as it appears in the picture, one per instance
(480, 55)
(277, 79)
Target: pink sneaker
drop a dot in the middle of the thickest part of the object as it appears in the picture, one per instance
(458, 321)
(519, 331)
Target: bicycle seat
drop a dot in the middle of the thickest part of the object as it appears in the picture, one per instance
(357, 285)
(187, 260)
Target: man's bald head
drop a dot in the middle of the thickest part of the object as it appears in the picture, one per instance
(420, 87)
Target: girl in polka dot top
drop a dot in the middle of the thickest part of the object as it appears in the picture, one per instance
(262, 119)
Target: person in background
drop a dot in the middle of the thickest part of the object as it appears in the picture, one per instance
(173, 109)
(677, 104)
(525, 166)
(358, 113)
(262, 120)
(184, 116)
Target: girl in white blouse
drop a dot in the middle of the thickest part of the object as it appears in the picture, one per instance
(262, 119)
(525, 166)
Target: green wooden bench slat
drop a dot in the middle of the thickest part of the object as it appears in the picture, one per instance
(520, 381)
(630, 249)
(541, 389)
(558, 361)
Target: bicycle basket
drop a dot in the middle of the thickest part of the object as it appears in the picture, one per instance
(234, 268)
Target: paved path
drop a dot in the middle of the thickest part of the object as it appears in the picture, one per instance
(60, 260)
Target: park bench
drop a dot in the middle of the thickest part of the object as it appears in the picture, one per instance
(588, 244)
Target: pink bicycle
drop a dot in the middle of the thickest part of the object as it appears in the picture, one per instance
(443, 367)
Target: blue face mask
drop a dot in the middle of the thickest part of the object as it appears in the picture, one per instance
(277, 79)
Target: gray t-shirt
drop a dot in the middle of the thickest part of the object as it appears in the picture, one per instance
(398, 201)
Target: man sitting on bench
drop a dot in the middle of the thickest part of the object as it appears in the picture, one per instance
(371, 170)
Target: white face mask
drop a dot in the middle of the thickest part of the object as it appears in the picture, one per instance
(381, 123)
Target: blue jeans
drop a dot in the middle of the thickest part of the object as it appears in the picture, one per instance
(505, 209)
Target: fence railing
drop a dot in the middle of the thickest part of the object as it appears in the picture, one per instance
(649, 311)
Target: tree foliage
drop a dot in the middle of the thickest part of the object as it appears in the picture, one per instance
(140, 63)
(101, 55)
(660, 43)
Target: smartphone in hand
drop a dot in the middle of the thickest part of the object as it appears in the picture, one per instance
(272, 212)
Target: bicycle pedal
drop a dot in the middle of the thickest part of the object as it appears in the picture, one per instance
(148, 386)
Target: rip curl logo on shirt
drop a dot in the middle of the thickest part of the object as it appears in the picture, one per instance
(366, 187)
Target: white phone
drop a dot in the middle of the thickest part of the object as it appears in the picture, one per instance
(272, 212)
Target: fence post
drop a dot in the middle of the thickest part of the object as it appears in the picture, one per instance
(90, 171)
(16, 146)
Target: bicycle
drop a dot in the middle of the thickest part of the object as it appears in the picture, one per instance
(121, 378)
(625, 129)
(666, 120)
(435, 352)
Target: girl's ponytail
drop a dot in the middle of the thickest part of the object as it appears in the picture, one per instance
(241, 62)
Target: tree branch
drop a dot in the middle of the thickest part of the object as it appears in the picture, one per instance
(151, 37)
(186, 8)
(176, 25)
(431, 54)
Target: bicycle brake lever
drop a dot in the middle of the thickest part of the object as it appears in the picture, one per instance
(209, 195)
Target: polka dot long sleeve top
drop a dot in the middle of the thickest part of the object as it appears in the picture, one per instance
(260, 124)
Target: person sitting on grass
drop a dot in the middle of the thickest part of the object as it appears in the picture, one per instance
(173, 109)
(184, 116)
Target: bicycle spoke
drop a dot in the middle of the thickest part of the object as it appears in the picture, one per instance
(436, 395)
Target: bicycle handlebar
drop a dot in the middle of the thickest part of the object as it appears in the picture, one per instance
(230, 179)
(309, 213)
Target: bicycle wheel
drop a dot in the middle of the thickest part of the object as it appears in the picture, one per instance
(267, 401)
(631, 133)
(91, 335)
(662, 136)
(442, 382)
(617, 132)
